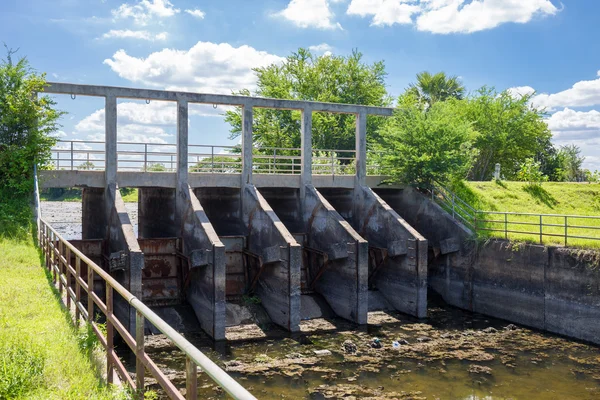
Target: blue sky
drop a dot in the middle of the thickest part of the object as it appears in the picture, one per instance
(548, 46)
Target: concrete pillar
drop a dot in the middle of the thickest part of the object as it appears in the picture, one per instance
(110, 112)
(156, 213)
(182, 141)
(94, 220)
(361, 148)
(306, 144)
(247, 115)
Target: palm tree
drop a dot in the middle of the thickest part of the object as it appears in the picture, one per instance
(439, 87)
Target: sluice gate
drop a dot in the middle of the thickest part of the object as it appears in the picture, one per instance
(303, 242)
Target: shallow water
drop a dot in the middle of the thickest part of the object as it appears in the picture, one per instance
(448, 356)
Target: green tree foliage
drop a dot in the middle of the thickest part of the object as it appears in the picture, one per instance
(531, 171)
(430, 89)
(571, 159)
(423, 147)
(26, 122)
(510, 131)
(328, 78)
(550, 159)
(156, 167)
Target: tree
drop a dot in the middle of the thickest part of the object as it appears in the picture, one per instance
(26, 121)
(430, 89)
(530, 171)
(571, 162)
(156, 167)
(511, 130)
(550, 159)
(328, 78)
(423, 147)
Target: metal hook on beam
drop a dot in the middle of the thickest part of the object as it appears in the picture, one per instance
(147, 101)
(215, 106)
(73, 96)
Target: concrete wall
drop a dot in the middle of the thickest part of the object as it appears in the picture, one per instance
(549, 288)
(344, 283)
(93, 213)
(279, 284)
(205, 290)
(402, 279)
(156, 213)
(451, 250)
(121, 239)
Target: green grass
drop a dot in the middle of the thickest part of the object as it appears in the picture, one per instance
(42, 355)
(550, 198)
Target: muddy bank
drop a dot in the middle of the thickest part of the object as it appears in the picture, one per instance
(65, 217)
(453, 354)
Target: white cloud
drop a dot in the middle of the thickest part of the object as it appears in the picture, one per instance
(142, 35)
(454, 16)
(520, 91)
(206, 67)
(196, 13)
(581, 94)
(450, 16)
(573, 124)
(145, 10)
(322, 48)
(309, 14)
(384, 12)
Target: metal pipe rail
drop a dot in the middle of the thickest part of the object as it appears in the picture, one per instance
(159, 157)
(539, 224)
(477, 221)
(58, 253)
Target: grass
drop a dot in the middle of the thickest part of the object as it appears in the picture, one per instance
(562, 198)
(130, 195)
(42, 355)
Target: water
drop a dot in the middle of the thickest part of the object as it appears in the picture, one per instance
(451, 355)
(459, 356)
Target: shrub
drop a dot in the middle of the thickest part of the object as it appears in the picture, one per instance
(531, 172)
(26, 121)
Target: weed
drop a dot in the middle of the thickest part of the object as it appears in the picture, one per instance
(21, 368)
(251, 299)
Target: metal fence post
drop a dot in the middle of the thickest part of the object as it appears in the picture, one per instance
(71, 155)
(145, 157)
(191, 379)
(90, 282)
(566, 231)
(212, 158)
(77, 289)
(110, 347)
(505, 226)
(139, 353)
(68, 276)
(541, 229)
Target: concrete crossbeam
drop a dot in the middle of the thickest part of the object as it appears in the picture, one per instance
(233, 100)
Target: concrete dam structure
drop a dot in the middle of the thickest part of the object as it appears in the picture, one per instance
(307, 233)
(300, 241)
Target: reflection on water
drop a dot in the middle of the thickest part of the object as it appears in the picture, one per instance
(451, 355)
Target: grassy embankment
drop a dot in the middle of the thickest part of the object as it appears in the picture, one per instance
(42, 355)
(551, 198)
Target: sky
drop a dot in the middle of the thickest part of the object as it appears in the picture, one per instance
(542, 46)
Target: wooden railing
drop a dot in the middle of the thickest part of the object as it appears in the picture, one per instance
(79, 292)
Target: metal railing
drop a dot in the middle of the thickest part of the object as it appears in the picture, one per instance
(542, 227)
(58, 254)
(159, 157)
